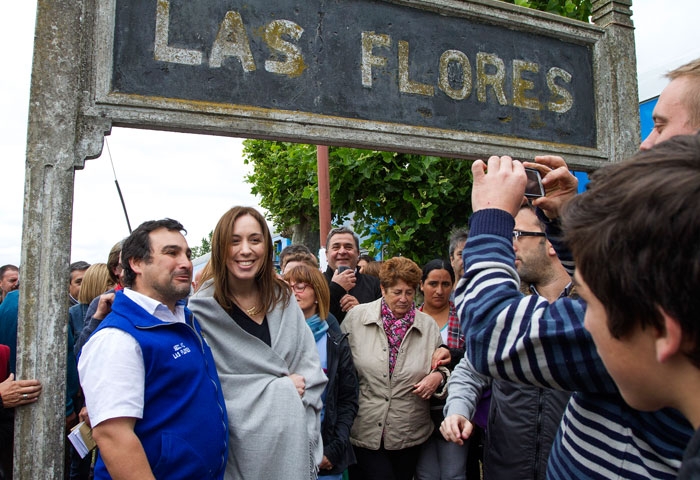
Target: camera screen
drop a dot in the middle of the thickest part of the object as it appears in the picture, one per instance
(533, 188)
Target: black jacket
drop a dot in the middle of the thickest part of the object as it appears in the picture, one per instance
(340, 405)
(523, 421)
(366, 290)
(690, 467)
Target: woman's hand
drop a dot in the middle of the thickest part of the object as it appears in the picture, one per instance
(299, 382)
(426, 387)
(441, 356)
(347, 301)
(16, 393)
(456, 429)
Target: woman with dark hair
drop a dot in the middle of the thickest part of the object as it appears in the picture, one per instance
(265, 354)
(440, 459)
(392, 345)
(363, 261)
(340, 396)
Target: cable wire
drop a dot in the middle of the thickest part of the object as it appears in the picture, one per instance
(119, 190)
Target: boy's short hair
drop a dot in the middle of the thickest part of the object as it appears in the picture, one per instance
(307, 258)
(635, 237)
(289, 250)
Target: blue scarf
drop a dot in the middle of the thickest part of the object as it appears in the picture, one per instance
(317, 326)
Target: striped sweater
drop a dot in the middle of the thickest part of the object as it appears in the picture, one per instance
(526, 339)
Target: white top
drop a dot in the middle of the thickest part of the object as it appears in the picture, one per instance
(111, 367)
(445, 332)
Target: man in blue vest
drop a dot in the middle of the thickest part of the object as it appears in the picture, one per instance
(151, 388)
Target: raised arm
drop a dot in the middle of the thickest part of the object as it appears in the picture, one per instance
(510, 336)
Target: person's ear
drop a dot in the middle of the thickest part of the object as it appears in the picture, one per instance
(669, 341)
(550, 250)
(135, 264)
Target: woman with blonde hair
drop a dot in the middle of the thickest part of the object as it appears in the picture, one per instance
(265, 354)
(96, 281)
(340, 396)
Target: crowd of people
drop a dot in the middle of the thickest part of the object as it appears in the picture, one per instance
(557, 338)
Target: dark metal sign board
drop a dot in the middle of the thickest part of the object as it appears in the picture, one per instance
(361, 60)
(446, 77)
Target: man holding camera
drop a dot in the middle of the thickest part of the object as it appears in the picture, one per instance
(600, 436)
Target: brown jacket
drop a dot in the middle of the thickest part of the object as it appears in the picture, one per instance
(387, 404)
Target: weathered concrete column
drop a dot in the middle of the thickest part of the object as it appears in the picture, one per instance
(52, 152)
(617, 68)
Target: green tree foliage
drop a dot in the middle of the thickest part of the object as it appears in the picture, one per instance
(284, 176)
(204, 248)
(578, 9)
(408, 202)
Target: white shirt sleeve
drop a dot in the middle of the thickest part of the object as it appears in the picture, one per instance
(112, 375)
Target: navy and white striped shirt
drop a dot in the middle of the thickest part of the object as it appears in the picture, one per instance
(528, 340)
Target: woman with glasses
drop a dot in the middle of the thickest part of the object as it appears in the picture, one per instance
(265, 355)
(340, 396)
(392, 344)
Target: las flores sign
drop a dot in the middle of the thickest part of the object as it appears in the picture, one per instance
(463, 81)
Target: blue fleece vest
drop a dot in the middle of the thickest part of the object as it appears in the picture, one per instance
(184, 429)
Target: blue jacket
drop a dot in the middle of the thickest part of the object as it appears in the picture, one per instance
(9, 312)
(184, 429)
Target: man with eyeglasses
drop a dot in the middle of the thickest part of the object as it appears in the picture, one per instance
(531, 341)
(523, 419)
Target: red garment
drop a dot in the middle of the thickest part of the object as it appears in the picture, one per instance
(4, 362)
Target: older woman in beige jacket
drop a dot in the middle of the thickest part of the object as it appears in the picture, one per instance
(392, 344)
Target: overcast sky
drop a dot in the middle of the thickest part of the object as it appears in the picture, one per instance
(196, 178)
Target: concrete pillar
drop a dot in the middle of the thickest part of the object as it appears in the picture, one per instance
(617, 69)
(54, 148)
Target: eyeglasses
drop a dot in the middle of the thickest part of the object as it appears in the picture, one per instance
(299, 287)
(519, 233)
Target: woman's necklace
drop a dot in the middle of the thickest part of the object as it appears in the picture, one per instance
(252, 311)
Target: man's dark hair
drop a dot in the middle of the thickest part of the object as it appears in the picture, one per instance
(137, 246)
(337, 230)
(540, 223)
(8, 268)
(457, 235)
(292, 250)
(635, 237)
(78, 266)
(367, 258)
